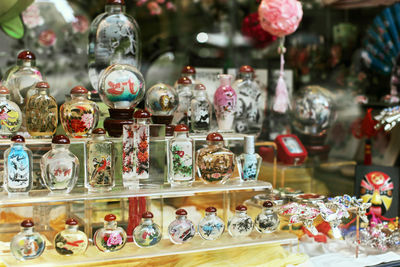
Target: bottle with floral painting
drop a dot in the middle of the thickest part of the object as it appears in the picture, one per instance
(181, 171)
(182, 229)
(18, 163)
(71, 241)
(111, 237)
(211, 227)
(100, 162)
(10, 114)
(27, 244)
(147, 233)
(41, 112)
(225, 103)
(79, 116)
(142, 143)
(60, 168)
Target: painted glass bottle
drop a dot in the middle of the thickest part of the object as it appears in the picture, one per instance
(111, 237)
(71, 241)
(142, 144)
(21, 78)
(215, 163)
(250, 102)
(79, 116)
(182, 229)
(240, 224)
(200, 110)
(147, 233)
(267, 221)
(114, 37)
(211, 227)
(185, 93)
(10, 114)
(27, 244)
(18, 164)
(99, 162)
(41, 112)
(181, 170)
(250, 162)
(59, 167)
(225, 103)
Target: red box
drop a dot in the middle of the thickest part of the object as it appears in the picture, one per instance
(290, 149)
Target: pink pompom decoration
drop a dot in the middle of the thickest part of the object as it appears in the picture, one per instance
(280, 17)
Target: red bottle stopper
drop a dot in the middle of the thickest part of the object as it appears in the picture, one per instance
(241, 208)
(147, 215)
(60, 140)
(211, 209)
(181, 128)
(71, 221)
(78, 90)
(188, 70)
(110, 218)
(26, 55)
(99, 131)
(268, 204)
(181, 212)
(214, 137)
(42, 85)
(4, 90)
(184, 80)
(115, 2)
(200, 86)
(18, 139)
(27, 223)
(246, 69)
(141, 114)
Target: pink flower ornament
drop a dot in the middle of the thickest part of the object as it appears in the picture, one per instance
(114, 239)
(280, 17)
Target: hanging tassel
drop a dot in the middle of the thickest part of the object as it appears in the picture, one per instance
(281, 103)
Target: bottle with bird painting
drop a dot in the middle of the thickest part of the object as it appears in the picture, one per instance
(100, 164)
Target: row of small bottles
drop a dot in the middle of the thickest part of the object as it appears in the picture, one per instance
(29, 244)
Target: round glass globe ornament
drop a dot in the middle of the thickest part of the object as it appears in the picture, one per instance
(162, 100)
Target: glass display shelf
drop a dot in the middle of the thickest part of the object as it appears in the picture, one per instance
(81, 193)
(164, 248)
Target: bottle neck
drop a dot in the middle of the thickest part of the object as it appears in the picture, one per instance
(110, 225)
(240, 213)
(18, 146)
(26, 63)
(247, 75)
(71, 227)
(200, 93)
(79, 96)
(225, 80)
(181, 217)
(143, 121)
(59, 147)
(4, 97)
(27, 230)
(115, 9)
(147, 221)
(268, 210)
(99, 137)
(215, 143)
(43, 91)
(211, 214)
(181, 134)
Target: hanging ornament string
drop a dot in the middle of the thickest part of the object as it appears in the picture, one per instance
(282, 102)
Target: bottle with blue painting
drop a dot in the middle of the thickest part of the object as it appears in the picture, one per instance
(18, 167)
(211, 227)
(147, 233)
(250, 162)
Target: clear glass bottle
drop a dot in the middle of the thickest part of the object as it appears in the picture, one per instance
(111, 237)
(181, 230)
(79, 116)
(22, 78)
(181, 157)
(250, 162)
(147, 233)
(10, 114)
(225, 103)
(41, 112)
(215, 163)
(251, 100)
(141, 143)
(200, 110)
(27, 244)
(240, 224)
(59, 167)
(71, 241)
(211, 227)
(18, 162)
(99, 162)
(114, 37)
(185, 93)
(267, 221)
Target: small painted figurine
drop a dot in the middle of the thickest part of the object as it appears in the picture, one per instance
(27, 244)
(79, 116)
(181, 230)
(18, 162)
(147, 233)
(211, 227)
(60, 168)
(181, 157)
(110, 238)
(240, 224)
(71, 241)
(100, 163)
(215, 164)
(267, 221)
(10, 114)
(250, 162)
